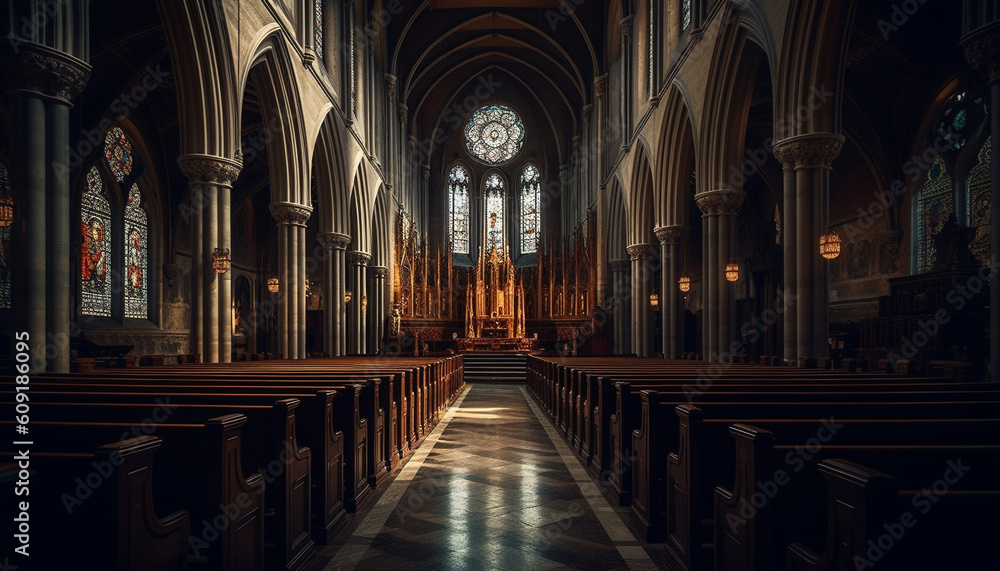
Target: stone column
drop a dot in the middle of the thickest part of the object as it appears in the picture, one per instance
(719, 208)
(643, 258)
(982, 50)
(46, 80)
(291, 219)
(356, 310)
(333, 292)
(622, 318)
(210, 181)
(810, 156)
(376, 307)
(671, 308)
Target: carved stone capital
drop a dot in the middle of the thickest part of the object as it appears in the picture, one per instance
(620, 266)
(671, 234)
(892, 237)
(402, 109)
(723, 201)
(626, 26)
(378, 272)
(982, 51)
(390, 86)
(49, 72)
(290, 213)
(208, 169)
(640, 251)
(588, 111)
(599, 84)
(334, 240)
(813, 150)
(425, 170)
(358, 258)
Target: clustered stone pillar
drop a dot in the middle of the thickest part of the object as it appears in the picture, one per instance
(334, 341)
(809, 157)
(719, 208)
(671, 308)
(210, 180)
(291, 219)
(49, 80)
(376, 307)
(357, 307)
(982, 50)
(643, 258)
(620, 270)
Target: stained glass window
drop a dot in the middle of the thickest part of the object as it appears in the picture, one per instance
(935, 204)
(685, 14)
(95, 246)
(5, 261)
(118, 153)
(979, 204)
(458, 209)
(493, 213)
(136, 256)
(318, 37)
(494, 134)
(530, 206)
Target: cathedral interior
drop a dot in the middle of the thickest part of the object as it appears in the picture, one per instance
(807, 184)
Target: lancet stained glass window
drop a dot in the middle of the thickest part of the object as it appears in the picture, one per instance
(5, 261)
(935, 205)
(685, 14)
(493, 213)
(494, 135)
(136, 256)
(118, 153)
(318, 32)
(979, 204)
(458, 209)
(530, 206)
(95, 247)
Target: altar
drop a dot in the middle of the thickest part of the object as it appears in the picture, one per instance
(494, 315)
(498, 344)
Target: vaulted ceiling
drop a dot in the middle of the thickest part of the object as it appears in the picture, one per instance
(540, 57)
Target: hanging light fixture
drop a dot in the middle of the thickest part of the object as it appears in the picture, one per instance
(272, 285)
(732, 271)
(684, 283)
(221, 260)
(347, 296)
(6, 211)
(654, 300)
(829, 244)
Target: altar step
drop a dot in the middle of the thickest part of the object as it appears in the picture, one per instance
(494, 367)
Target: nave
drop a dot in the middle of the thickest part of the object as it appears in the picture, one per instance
(492, 487)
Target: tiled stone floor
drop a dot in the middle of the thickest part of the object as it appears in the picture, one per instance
(492, 492)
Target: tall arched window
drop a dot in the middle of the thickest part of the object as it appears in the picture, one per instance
(458, 209)
(493, 213)
(136, 256)
(935, 204)
(95, 247)
(530, 206)
(5, 261)
(685, 14)
(979, 204)
(318, 30)
(118, 153)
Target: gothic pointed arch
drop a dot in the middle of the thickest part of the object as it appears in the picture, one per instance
(675, 152)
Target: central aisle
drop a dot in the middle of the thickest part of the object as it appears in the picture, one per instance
(488, 489)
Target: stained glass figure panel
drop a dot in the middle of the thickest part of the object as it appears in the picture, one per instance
(95, 247)
(935, 205)
(979, 204)
(118, 153)
(136, 256)
(494, 213)
(494, 135)
(458, 209)
(530, 207)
